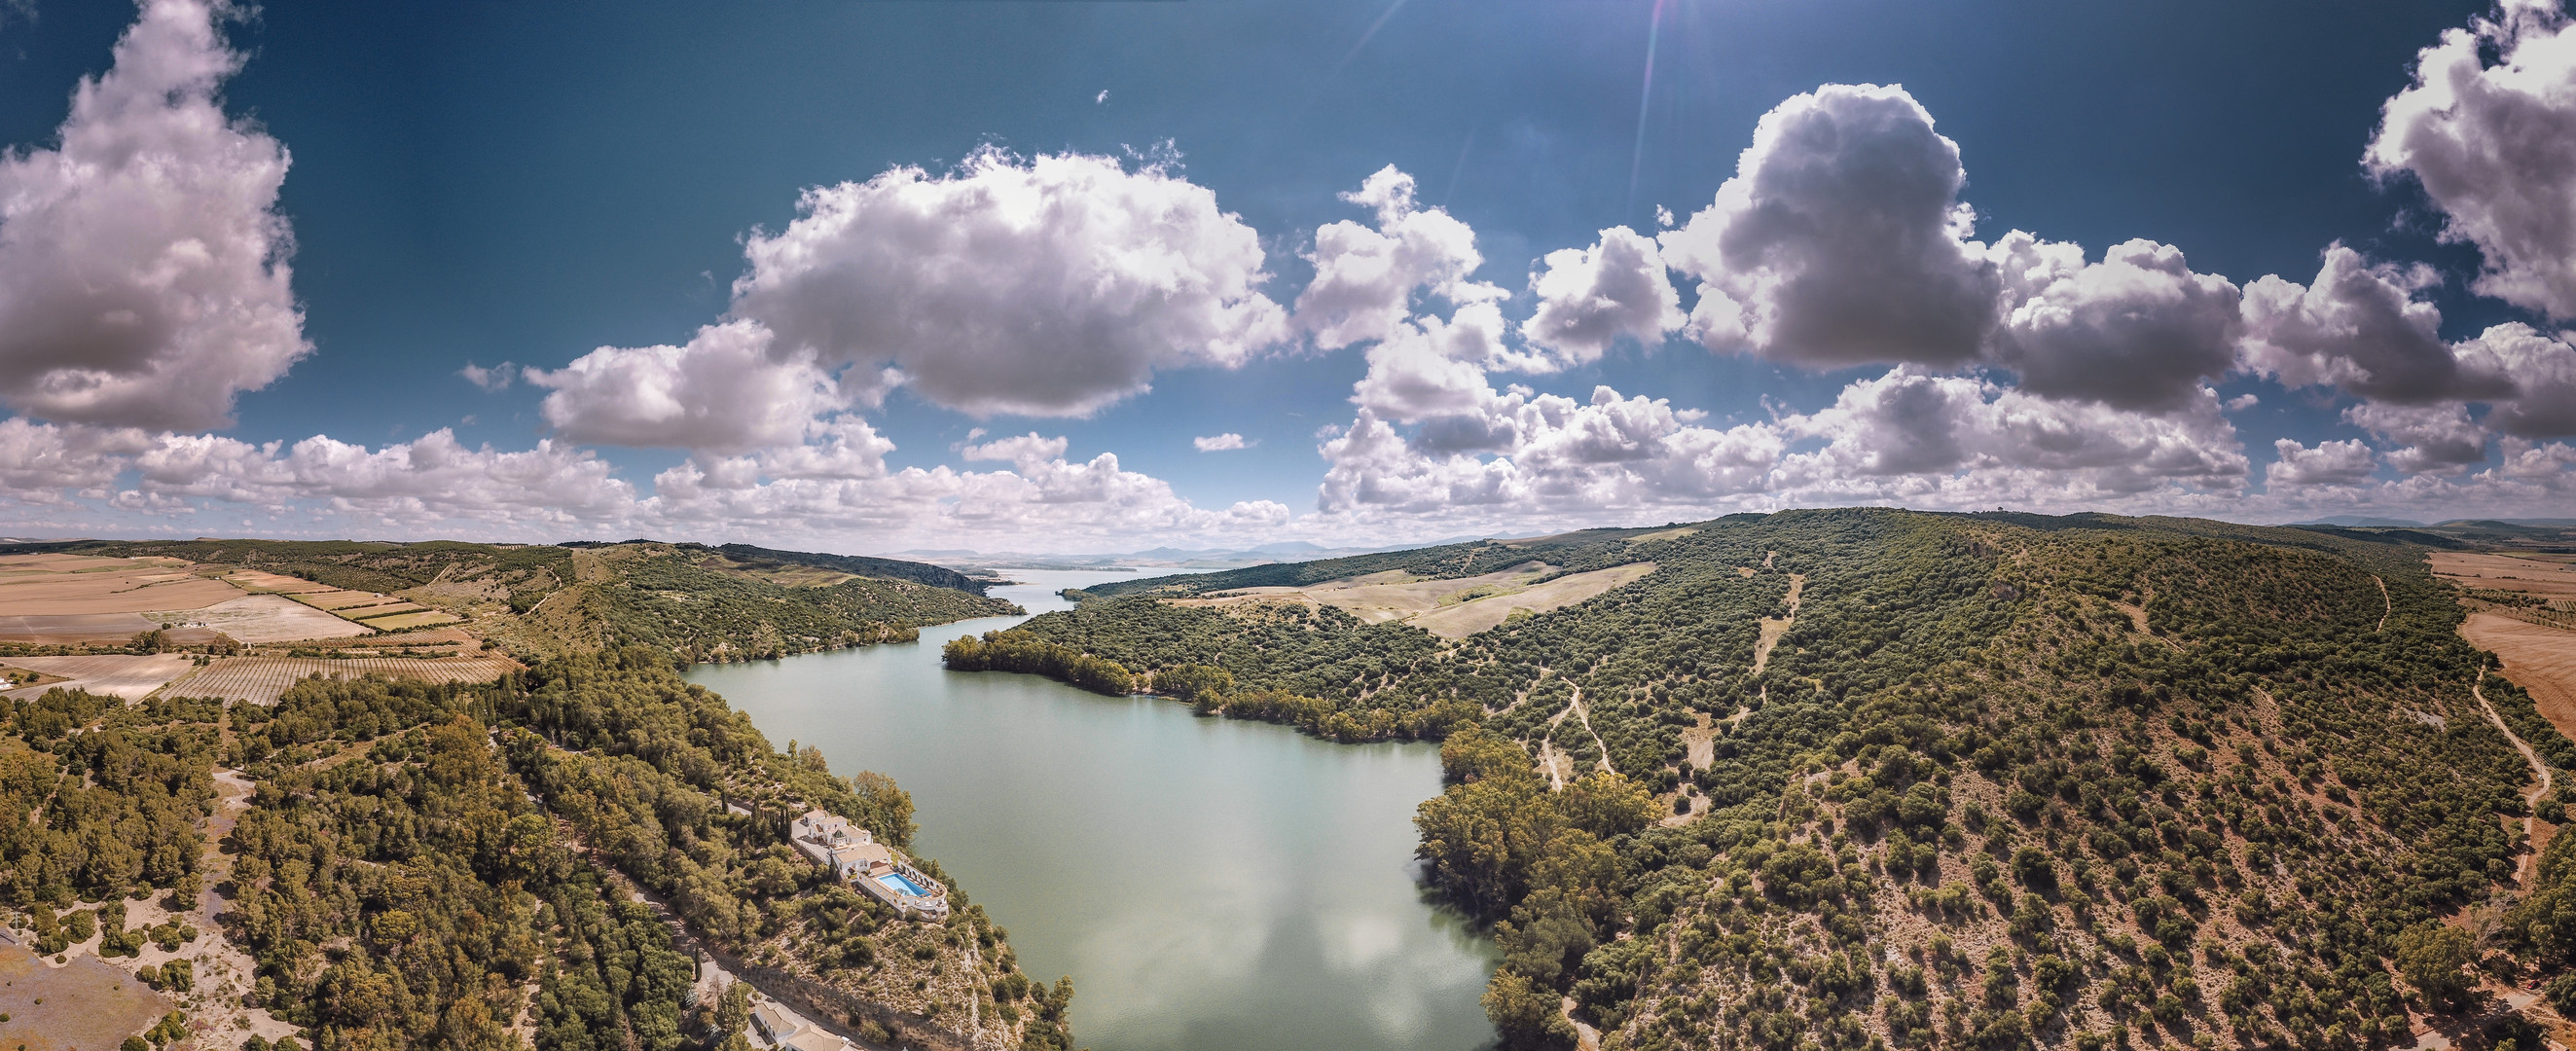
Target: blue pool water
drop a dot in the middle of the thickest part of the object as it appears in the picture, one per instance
(900, 885)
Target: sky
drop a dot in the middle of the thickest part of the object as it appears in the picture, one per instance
(1099, 276)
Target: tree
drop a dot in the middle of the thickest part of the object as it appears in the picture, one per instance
(2434, 958)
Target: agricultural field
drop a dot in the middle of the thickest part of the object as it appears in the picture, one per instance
(118, 675)
(416, 619)
(257, 580)
(73, 629)
(2538, 658)
(2551, 578)
(262, 619)
(83, 1005)
(259, 680)
(1450, 608)
(57, 585)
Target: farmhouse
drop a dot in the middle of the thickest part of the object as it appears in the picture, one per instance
(855, 856)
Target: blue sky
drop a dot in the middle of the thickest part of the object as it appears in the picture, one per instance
(540, 184)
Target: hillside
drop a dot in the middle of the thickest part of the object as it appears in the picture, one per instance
(376, 864)
(1849, 779)
(705, 604)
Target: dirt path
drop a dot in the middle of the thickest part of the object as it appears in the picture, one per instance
(2521, 872)
(1774, 627)
(2386, 607)
(1584, 715)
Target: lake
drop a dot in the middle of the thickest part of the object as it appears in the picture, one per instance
(1209, 884)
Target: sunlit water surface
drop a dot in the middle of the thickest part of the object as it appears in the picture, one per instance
(1209, 884)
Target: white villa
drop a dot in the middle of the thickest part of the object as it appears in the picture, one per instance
(857, 858)
(774, 1026)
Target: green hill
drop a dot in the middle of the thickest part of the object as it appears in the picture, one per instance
(1850, 779)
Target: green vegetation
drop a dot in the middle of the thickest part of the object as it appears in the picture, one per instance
(2003, 780)
(426, 864)
(1021, 652)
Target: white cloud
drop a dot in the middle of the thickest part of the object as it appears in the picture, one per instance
(1217, 443)
(2494, 146)
(1841, 240)
(143, 275)
(2439, 438)
(1049, 287)
(1365, 279)
(2346, 462)
(2137, 330)
(2358, 327)
(726, 391)
(1953, 441)
(2542, 369)
(494, 379)
(1588, 298)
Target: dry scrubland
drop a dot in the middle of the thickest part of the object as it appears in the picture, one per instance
(87, 1005)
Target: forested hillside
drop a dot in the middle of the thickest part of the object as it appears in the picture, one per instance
(450, 866)
(1850, 779)
(706, 604)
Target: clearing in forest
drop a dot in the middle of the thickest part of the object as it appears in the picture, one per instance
(84, 1004)
(1452, 608)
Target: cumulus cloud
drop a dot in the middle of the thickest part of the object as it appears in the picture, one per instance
(1588, 298)
(1218, 443)
(1366, 278)
(2438, 438)
(2361, 328)
(1841, 239)
(1047, 287)
(2494, 146)
(1957, 441)
(2542, 368)
(2137, 330)
(143, 274)
(725, 391)
(2346, 462)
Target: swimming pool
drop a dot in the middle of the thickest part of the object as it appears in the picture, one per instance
(895, 882)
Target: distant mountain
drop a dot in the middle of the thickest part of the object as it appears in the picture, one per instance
(2363, 520)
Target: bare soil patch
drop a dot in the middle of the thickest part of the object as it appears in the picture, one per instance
(259, 619)
(1774, 627)
(128, 676)
(88, 1005)
(260, 680)
(54, 585)
(74, 629)
(2541, 660)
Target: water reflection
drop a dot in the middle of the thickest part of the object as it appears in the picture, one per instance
(1209, 884)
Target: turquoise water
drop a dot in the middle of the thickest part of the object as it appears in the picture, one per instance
(900, 885)
(1210, 885)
